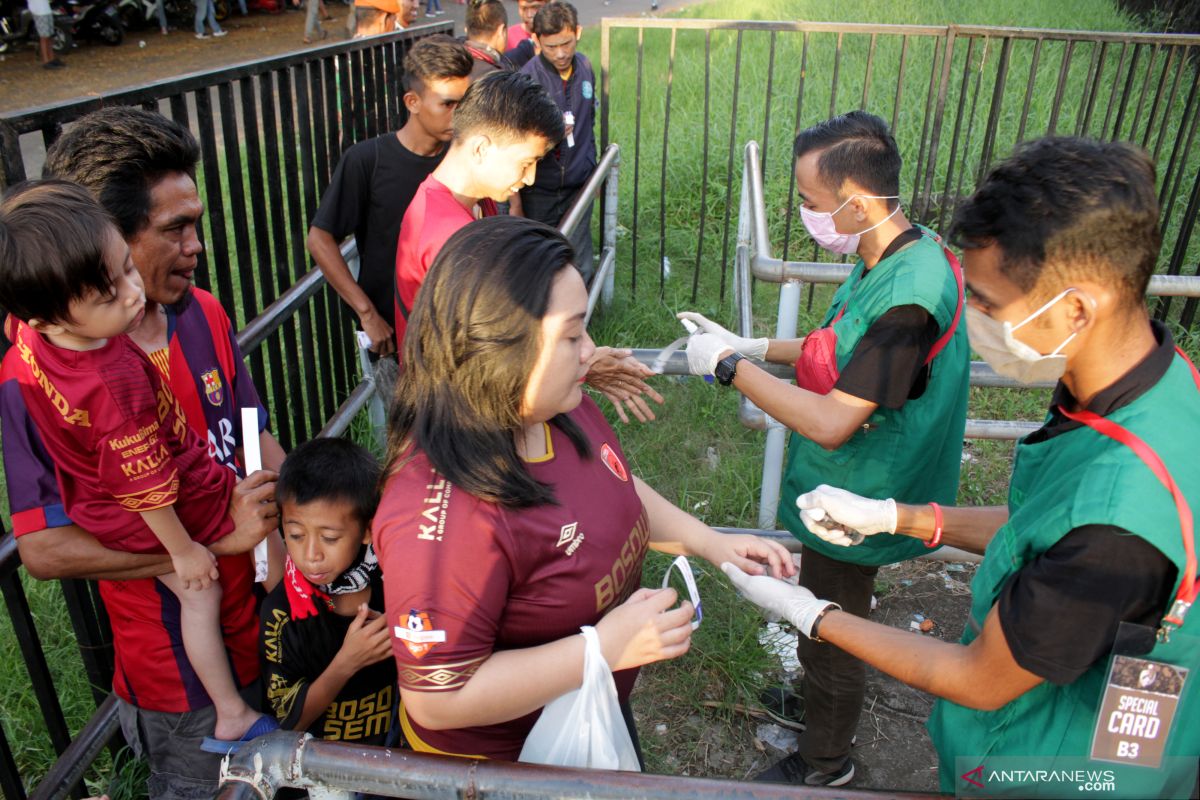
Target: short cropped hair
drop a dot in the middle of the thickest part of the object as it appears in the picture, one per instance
(120, 154)
(435, 58)
(507, 106)
(52, 238)
(855, 146)
(334, 470)
(484, 16)
(555, 17)
(1061, 208)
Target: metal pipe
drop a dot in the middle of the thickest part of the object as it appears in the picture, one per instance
(349, 408)
(601, 281)
(270, 318)
(612, 202)
(67, 771)
(287, 759)
(792, 544)
(590, 190)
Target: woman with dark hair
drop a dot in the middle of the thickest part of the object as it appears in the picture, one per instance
(509, 517)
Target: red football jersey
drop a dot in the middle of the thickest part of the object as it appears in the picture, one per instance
(119, 443)
(433, 216)
(465, 578)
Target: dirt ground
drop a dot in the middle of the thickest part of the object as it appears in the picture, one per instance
(893, 751)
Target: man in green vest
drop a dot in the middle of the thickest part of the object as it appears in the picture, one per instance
(1078, 657)
(879, 405)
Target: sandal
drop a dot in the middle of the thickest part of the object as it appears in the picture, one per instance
(262, 726)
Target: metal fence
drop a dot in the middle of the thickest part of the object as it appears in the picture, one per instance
(957, 97)
(271, 133)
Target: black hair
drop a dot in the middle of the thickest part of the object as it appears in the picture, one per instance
(855, 146)
(472, 339)
(435, 58)
(554, 17)
(119, 154)
(1067, 207)
(52, 239)
(484, 17)
(330, 469)
(508, 106)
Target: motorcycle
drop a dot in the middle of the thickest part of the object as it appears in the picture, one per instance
(94, 19)
(139, 14)
(17, 28)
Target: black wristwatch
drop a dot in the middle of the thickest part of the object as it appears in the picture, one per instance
(727, 368)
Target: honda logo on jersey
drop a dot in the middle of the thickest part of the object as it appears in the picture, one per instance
(613, 462)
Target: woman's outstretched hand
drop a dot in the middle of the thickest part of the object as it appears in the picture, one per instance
(644, 629)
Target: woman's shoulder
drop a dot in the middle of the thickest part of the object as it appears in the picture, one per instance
(419, 504)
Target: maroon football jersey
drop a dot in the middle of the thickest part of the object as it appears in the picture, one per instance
(119, 442)
(466, 578)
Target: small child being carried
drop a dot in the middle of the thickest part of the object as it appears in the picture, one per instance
(131, 471)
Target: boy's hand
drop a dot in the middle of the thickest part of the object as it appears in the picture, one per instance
(196, 567)
(367, 642)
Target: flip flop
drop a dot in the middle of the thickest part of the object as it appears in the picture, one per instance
(262, 726)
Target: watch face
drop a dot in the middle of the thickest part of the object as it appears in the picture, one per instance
(727, 368)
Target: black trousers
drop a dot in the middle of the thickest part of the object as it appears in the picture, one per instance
(834, 681)
(550, 207)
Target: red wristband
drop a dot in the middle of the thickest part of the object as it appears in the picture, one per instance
(937, 526)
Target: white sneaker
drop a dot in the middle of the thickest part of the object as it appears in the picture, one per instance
(219, 34)
(201, 35)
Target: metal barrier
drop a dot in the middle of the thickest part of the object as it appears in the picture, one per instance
(271, 133)
(336, 770)
(754, 258)
(957, 97)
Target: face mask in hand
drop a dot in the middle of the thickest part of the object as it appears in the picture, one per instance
(823, 229)
(1011, 357)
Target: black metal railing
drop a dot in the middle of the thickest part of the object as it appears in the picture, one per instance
(271, 132)
(957, 97)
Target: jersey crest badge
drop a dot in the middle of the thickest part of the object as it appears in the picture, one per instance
(213, 388)
(418, 634)
(613, 462)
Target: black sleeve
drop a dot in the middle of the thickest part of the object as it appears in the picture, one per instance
(1060, 613)
(520, 55)
(346, 201)
(887, 366)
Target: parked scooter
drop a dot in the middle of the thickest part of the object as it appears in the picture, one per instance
(139, 14)
(93, 19)
(16, 27)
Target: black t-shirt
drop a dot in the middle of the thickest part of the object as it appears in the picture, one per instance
(888, 366)
(367, 196)
(294, 653)
(1060, 613)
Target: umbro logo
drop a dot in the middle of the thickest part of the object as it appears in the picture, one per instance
(570, 533)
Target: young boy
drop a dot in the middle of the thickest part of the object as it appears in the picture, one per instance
(502, 128)
(376, 179)
(132, 472)
(325, 649)
(567, 76)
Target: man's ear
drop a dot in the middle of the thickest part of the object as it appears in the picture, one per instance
(578, 33)
(478, 146)
(412, 101)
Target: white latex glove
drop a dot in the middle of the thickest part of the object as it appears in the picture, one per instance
(751, 348)
(704, 350)
(836, 515)
(796, 604)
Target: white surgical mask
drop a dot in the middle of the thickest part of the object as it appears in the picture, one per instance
(1011, 357)
(823, 229)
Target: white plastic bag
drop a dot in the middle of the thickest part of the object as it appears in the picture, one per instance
(584, 727)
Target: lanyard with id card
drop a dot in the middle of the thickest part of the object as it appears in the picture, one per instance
(684, 568)
(1140, 695)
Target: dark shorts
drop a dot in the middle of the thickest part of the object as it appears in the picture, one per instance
(170, 743)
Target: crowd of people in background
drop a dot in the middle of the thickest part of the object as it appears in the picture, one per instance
(433, 599)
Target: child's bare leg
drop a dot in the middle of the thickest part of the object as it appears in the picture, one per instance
(200, 623)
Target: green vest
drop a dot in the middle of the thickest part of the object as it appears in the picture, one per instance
(912, 454)
(1073, 479)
